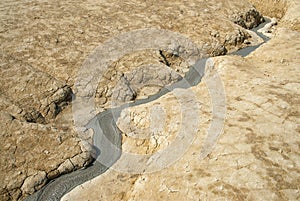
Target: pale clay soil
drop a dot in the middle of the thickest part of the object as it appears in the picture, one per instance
(43, 46)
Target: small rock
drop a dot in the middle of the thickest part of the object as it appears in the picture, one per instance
(34, 182)
(66, 167)
(219, 50)
(247, 42)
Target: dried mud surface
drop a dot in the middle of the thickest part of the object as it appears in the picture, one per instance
(43, 45)
(257, 155)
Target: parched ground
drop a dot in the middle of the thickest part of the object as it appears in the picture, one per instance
(257, 156)
(43, 45)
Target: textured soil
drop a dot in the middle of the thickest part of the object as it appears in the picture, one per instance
(44, 44)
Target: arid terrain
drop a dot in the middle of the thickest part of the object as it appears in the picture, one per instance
(256, 157)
